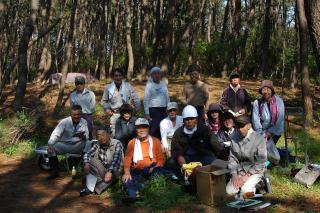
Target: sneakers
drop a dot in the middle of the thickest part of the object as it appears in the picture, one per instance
(85, 192)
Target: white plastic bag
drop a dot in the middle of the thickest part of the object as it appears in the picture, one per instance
(272, 152)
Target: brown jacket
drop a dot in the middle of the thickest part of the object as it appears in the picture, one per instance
(196, 94)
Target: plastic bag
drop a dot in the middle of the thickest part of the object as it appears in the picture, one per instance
(272, 152)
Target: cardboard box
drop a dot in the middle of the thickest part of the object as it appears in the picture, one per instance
(211, 182)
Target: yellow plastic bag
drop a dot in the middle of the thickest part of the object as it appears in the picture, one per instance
(188, 167)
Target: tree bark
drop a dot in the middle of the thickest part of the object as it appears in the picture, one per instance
(305, 82)
(114, 36)
(67, 58)
(128, 39)
(22, 57)
(102, 41)
(312, 8)
(266, 40)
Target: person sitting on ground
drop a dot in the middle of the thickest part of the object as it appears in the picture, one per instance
(156, 98)
(268, 112)
(214, 115)
(125, 128)
(247, 159)
(235, 98)
(193, 142)
(70, 136)
(169, 125)
(142, 159)
(102, 163)
(227, 132)
(117, 93)
(86, 99)
(196, 92)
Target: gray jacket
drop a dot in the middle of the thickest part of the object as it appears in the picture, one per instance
(248, 154)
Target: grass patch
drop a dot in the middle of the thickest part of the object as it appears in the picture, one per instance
(24, 148)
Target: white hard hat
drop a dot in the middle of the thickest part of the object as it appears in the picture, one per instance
(189, 112)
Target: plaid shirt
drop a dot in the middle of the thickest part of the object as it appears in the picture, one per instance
(116, 160)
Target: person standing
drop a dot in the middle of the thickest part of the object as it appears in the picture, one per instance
(235, 98)
(169, 125)
(155, 101)
(196, 92)
(117, 93)
(86, 99)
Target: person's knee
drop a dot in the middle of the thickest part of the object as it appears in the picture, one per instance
(206, 160)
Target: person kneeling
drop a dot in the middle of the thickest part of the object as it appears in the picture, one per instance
(102, 163)
(247, 159)
(142, 159)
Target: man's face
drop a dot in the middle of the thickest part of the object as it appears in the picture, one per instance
(266, 93)
(235, 82)
(214, 115)
(142, 131)
(228, 123)
(117, 77)
(172, 113)
(103, 137)
(127, 115)
(194, 76)
(76, 115)
(79, 87)
(243, 129)
(156, 77)
(190, 123)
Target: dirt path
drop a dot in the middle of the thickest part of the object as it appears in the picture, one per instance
(24, 188)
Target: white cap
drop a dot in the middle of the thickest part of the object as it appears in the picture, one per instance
(142, 121)
(172, 105)
(155, 69)
(189, 112)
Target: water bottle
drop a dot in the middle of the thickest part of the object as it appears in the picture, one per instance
(73, 171)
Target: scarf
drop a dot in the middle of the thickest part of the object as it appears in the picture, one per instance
(273, 109)
(214, 126)
(189, 132)
(137, 152)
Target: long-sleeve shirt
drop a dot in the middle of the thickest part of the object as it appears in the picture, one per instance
(66, 129)
(113, 98)
(110, 155)
(141, 164)
(167, 129)
(86, 99)
(196, 94)
(248, 154)
(155, 95)
(261, 121)
(235, 99)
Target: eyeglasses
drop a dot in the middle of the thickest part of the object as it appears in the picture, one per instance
(79, 83)
(172, 110)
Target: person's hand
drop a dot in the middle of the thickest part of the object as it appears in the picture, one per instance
(107, 177)
(50, 148)
(181, 160)
(109, 112)
(86, 168)
(237, 181)
(168, 152)
(126, 177)
(147, 117)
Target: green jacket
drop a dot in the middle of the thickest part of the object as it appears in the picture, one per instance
(203, 141)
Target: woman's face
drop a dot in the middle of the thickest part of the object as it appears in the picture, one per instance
(127, 115)
(214, 115)
(228, 123)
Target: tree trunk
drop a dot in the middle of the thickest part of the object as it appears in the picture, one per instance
(114, 36)
(102, 41)
(128, 39)
(266, 40)
(22, 57)
(225, 21)
(312, 8)
(305, 82)
(156, 33)
(67, 58)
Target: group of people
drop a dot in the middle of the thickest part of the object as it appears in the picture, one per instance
(162, 141)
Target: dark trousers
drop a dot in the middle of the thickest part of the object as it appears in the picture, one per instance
(157, 114)
(276, 138)
(89, 119)
(200, 111)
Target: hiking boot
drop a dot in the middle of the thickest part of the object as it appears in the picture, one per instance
(85, 192)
